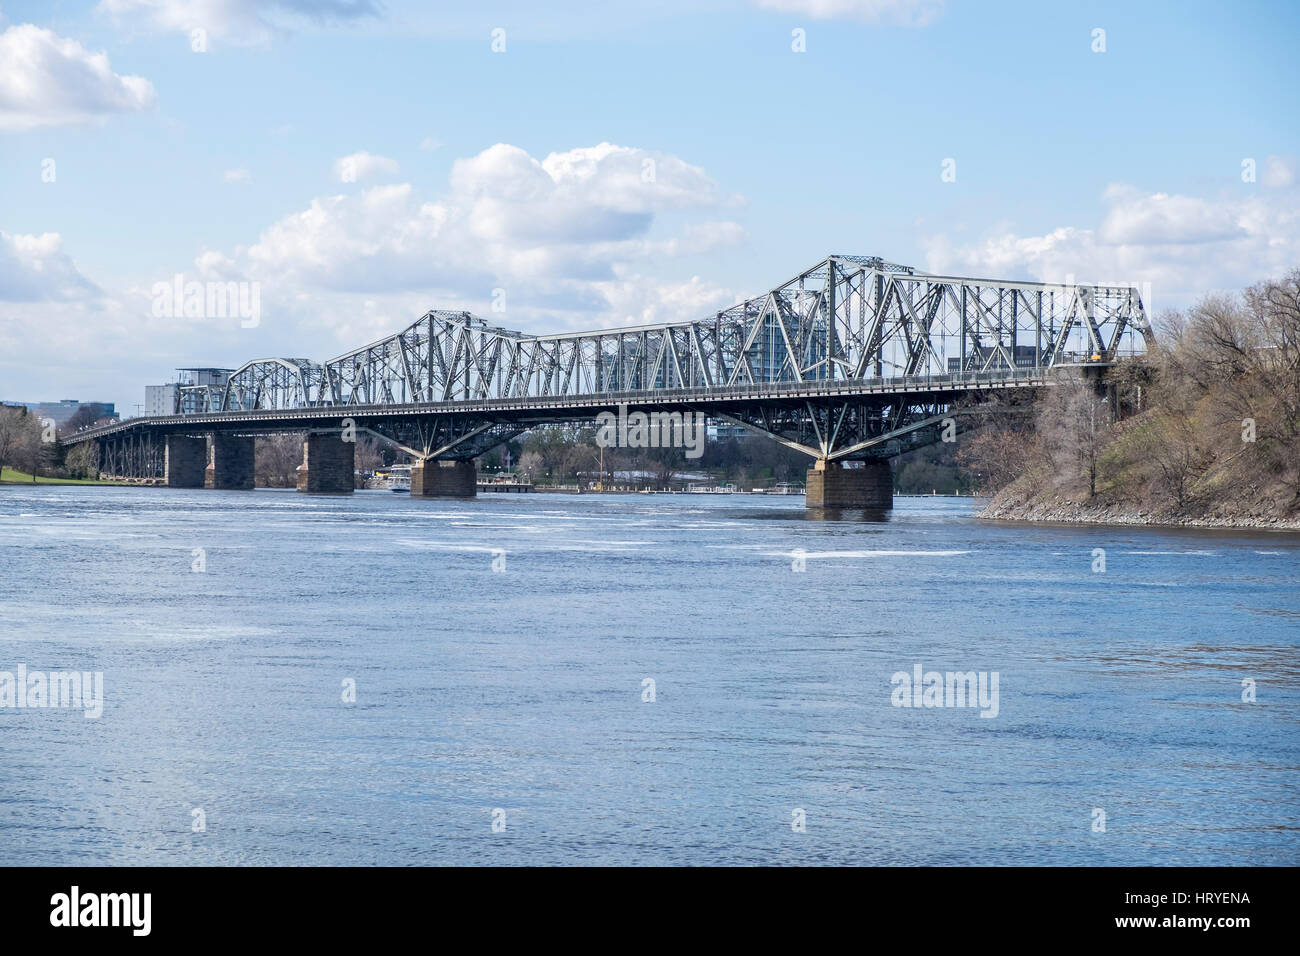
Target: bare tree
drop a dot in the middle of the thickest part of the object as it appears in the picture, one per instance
(996, 455)
(368, 458)
(1072, 424)
(15, 426)
(1177, 455)
(276, 460)
(81, 461)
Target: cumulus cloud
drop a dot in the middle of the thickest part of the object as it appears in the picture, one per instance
(569, 237)
(49, 80)
(1159, 218)
(343, 270)
(909, 13)
(239, 175)
(244, 22)
(36, 269)
(1184, 246)
(362, 166)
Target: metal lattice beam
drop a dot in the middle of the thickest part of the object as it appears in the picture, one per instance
(847, 318)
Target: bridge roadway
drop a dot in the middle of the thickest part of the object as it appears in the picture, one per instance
(577, 408)
(849, 361)
(446, 435)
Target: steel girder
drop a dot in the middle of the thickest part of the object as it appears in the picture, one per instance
(846, 318)
(862, 322)
(845, 430)
(132, 454)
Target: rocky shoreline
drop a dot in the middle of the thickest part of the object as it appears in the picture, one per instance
(1059, 510)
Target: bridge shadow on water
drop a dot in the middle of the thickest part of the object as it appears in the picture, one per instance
(848, 516)
(860, 516)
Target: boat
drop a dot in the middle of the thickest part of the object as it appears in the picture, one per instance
(399, 479)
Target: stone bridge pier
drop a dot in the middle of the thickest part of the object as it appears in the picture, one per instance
(869, 488)
(185, 461)
(431, 478)
(231, 465)
(328, 465)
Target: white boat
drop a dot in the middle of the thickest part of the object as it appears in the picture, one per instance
(399, 478)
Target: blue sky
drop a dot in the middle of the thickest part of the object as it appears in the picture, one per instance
(225, 165)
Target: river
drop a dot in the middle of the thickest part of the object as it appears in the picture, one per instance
(635, 679)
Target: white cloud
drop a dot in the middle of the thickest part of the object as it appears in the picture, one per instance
(347, 269)
(429, 144)
(598, 193)
(49, 80)
(36, 269)
(240, 175)
(362, 166)
(571, 215)
(910, 13)
(1279, 171)
(640, 300)
(243, 22)
(572, 238)
(1184, 246)
(1137, 219)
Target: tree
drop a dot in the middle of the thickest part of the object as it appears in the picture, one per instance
(1072, 424)
(554, 448)
(530, 464)
(82, 461)
(1176, 454)
(83, 417)
(276, 459)
(368, 457)
(16, 424)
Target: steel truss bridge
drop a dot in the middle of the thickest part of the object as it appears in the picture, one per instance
(854, 358)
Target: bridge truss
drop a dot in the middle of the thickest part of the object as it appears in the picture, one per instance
(855, 357)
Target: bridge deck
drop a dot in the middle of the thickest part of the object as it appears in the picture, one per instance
(583, 405)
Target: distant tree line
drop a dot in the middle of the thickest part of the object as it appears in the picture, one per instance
(567, 455)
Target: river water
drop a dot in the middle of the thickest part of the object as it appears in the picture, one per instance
(501, 652)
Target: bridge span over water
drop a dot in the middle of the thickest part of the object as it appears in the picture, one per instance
(854, 360)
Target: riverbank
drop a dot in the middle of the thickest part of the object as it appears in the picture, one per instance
(1019, 503)
(9, 476)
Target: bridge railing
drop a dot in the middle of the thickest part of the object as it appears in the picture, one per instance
(668, 395)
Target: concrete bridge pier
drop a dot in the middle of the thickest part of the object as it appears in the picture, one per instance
(186, 457)
(431, 478)
(231, 466)
(328, 465)
(869, 488)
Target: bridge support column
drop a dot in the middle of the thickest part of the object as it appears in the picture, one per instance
(231, 467)
(185, 461)
(328, 465)
(869, 488)
(444, 479)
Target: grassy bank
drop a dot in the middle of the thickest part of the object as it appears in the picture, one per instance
(9, 476)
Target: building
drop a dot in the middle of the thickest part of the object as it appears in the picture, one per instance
(61, 411)
(1023, 355)
(168, 399)
(727, 431)
(161, 399)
